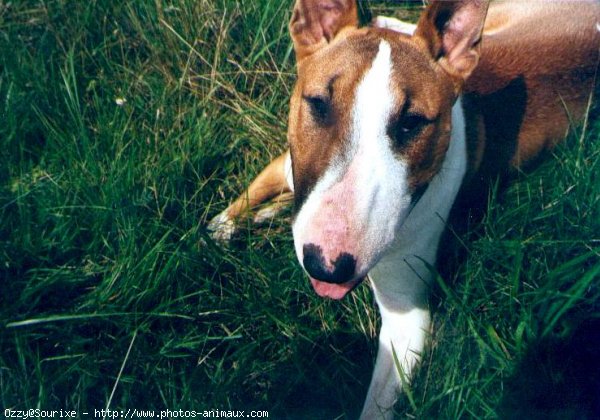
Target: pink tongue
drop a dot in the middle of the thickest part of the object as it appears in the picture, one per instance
(331, 290)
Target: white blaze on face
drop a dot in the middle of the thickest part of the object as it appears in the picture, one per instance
(360, 199)
(382, 179)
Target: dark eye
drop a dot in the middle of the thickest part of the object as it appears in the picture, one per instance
(320, 109)
(410, 123)
(405, 128)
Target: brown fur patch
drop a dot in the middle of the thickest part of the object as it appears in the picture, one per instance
(532, 80)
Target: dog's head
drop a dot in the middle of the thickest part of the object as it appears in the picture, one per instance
(369, 127)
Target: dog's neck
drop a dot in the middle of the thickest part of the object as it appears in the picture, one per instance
(420, 232)
(443, 188)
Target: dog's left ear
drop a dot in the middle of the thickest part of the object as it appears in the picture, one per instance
(315, 23)
(451, 31)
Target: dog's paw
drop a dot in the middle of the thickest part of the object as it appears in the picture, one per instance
(221, 228)
(394, 24)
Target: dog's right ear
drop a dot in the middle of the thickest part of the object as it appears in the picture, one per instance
(451, 31)
(315, 23)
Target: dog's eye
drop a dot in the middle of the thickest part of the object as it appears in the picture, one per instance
(410, 123)
(405, 128)
(320, 109)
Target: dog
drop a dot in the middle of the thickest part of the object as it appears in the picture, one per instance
(391, 125)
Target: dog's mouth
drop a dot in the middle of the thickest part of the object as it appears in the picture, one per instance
(334, 290)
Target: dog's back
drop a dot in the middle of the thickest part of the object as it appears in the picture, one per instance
(536, 74)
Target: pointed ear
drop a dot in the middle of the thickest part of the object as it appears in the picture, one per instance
(316, 22)
(451, 31)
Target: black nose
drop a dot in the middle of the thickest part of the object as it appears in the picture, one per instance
(314, 263)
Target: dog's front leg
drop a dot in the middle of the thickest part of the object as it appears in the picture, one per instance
(401, 342)
(401, 295)
(274, 181)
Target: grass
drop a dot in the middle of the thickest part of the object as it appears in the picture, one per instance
(125, 126)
